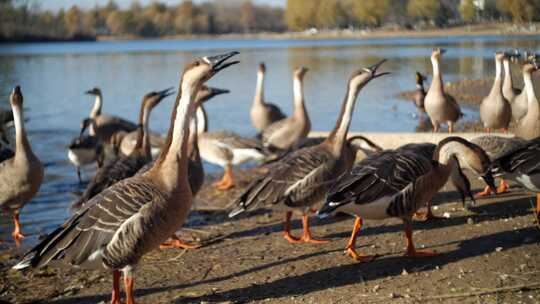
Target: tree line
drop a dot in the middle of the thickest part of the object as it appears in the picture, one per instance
(25, 20)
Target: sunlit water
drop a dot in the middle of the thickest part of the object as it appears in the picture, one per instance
(53, 77)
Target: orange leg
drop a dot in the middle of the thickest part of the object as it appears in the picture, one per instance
(428, 215)
(450, 128)
(435, 128)
(411, 250)
(287, 229)
(128, 285)
(488, 130)
(487, 191)
(115, 299)
(227, 182)
(352, 241)
(17, 233)
(504, 130)
(306, 237)
(176, 242)
(503, 187)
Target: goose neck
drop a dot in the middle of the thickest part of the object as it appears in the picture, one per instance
(507, 82)
(338, 135)
(497, 83)
(437, 75)
(298, 94)
(259, 89)
(22, 146)
(96, 109)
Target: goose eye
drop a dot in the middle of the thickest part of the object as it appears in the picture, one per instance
(197, 63)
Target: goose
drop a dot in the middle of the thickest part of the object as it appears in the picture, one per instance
(128, 141)
(301, 179)
(495, 110)
(284, 133)
(397, 183)
(420, 92)
(263, 113)
(123, 167)
(427, 151)
(508, 89)
(116, 228)
(85, 150)
(521, 165)
(495, 147)
(22, 174)
(440, 106)
(106, 125)
(529, 125)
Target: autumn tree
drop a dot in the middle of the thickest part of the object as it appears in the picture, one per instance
(73, 20)
(371, 12)
(426, 10)
(520, 10)
(247, 16)
(467, 11)
(330, 14)
(301, 14)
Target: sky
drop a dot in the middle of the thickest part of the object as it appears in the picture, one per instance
(57, 4)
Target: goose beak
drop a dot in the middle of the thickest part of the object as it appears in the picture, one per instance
(216, 91)
(373, 69)
(490, 181)
(219, 63)
(166, 92)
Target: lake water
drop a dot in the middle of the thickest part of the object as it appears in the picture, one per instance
(53, 77)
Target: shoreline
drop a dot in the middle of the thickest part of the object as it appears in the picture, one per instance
(497, 29)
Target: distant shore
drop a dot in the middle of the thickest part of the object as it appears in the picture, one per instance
(498, 29)
(495, 29)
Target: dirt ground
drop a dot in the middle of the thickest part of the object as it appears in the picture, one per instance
(490, 254)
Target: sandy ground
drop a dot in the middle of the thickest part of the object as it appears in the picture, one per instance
(490, 254)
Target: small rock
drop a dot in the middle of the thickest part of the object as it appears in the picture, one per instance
(503, 277)
(376, 288)
(437, 267)
(393, 295)
(404, 272)
(435, 207)
(498, 249)
(522, 266)
(446, 215)
(470, 221)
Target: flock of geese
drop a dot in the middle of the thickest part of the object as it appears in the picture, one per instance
(143, 190)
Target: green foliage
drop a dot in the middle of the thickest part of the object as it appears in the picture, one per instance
(467, 11)
(330, 14)
(301, 14)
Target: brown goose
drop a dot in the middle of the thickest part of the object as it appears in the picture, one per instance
(106, 125)
(396, 183)
(440, 106)
(420, 93)
(263, 113)
(529, 125)
(522, 166)
(22, 174)
(301, 179)
(495, 147)
(117, 227)
(495, 110)
(284, 133)
(123, 167)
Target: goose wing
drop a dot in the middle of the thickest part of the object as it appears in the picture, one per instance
(294, 180)
(275, 112)
(379, 175)
(99, 230)
(524, 159)
(111, 173)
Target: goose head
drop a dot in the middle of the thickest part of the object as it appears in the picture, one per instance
(262, 68)
(461, 182)
(361, 77)
(300, 72)
(513, 55)
(420, 78)
(93, 91)
(467, 154)
(152, 99)
(529, 67)
(499, 56)
(437, 53)
(202, 69)
(16, 97)
(206, 93)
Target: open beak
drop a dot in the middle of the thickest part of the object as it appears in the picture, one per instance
(216, 91)
(89, 92)
(166, 92)
(373, 69)
(219, 63)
